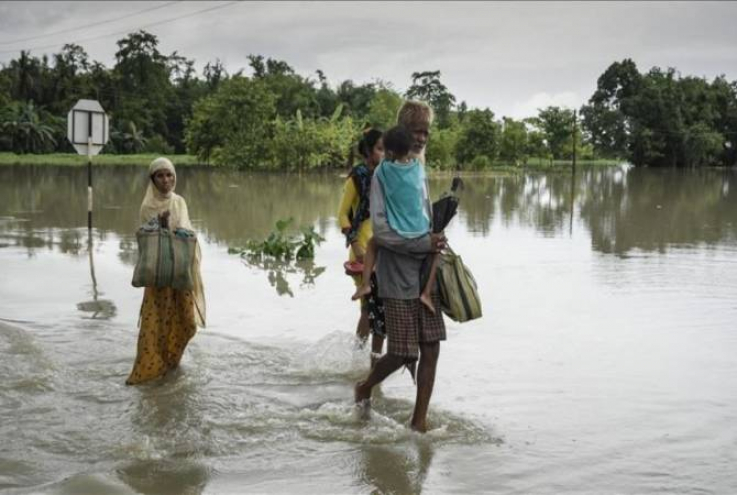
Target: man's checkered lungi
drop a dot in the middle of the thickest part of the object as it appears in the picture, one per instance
(409, 323)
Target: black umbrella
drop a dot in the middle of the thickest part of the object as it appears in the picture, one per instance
(444, 209)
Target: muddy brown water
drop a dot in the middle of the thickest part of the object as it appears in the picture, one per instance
(604, 362)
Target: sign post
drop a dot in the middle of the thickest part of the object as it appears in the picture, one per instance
(88, 129)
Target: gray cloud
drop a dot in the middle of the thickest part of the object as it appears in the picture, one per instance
(507, 56)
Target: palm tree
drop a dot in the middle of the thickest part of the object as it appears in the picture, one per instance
(26, 73)
(27, 129)
(129, 140)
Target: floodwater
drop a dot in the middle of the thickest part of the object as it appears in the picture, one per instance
(603, 363)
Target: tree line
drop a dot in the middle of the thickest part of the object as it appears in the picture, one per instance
(275, 119)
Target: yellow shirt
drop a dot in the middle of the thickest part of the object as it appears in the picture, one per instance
(349, 203)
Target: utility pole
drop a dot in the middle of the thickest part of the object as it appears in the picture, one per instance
(89, 176)
(573, 176)
(573, 132)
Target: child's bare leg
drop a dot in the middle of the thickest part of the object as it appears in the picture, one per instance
(369, 259)
(426, 296)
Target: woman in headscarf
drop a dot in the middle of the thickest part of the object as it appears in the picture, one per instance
(353, 217)
(169, 317)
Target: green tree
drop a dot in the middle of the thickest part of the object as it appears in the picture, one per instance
(426, 86)
(536, 146)
(102, 87)
(292, 91)
(356, 99)
(327, 100)
(461, 113)
(513, 146)
(479, 135)
(214, 73)
(67, 83)
(556, 125)
(202, 132)
(27, 74)
(142, 86)
(187, 89)
(724, 96)
(703, 145)
(128, 138)
(383, 108)
(657, 128)
(442, 146)
(229, 125)
(4, 89)
(660, 118)
(26, 129)
(606, 118)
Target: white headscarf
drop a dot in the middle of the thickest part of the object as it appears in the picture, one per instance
(155, 203)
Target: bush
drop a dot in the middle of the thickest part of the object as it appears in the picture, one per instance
(307, 143)
(158, 144)
(441, 148)
(480, 162)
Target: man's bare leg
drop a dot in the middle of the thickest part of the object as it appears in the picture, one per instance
(425, 381)
(384, 367)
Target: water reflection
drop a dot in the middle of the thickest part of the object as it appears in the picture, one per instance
(623, 208)
(651, 209)
(128, 251)
(178, 477)
(541, 201)
(661, 326)
(391, 469)
(278, 272)
(102, 309)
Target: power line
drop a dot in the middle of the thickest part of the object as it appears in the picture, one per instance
(126, 31)
(87, 26)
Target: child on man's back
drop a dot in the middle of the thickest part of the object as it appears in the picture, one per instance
(403, 179)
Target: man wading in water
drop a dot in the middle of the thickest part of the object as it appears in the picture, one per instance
(412, 329)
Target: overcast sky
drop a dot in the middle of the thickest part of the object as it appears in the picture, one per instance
(512, 57)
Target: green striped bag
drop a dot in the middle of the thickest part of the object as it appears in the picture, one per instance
(165, 259)
(459, 298)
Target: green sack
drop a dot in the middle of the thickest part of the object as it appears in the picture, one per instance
(459, 298)
(165, 259)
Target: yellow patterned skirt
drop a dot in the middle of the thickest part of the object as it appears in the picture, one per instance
(167, 323)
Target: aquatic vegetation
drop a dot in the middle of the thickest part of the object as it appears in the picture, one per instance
(281, 245)
(283, 253)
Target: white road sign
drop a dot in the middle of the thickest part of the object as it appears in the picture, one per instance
(88, 127)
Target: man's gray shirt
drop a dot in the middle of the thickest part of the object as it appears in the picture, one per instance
(399, 260)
